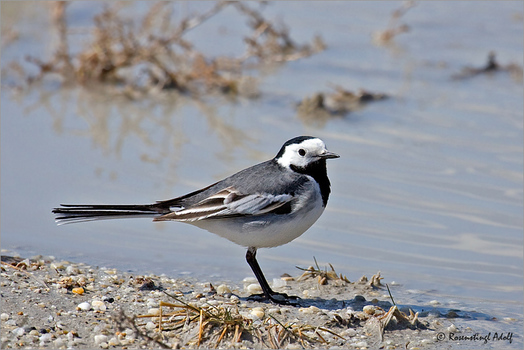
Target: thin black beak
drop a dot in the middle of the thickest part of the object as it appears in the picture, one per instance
(329, 155)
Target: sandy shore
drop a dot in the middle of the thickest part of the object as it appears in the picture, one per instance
(57, 304)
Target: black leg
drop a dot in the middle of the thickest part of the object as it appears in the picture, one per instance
(269, 294)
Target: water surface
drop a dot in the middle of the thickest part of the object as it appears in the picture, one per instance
(428, 189)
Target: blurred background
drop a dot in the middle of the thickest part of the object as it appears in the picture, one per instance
(124, 103)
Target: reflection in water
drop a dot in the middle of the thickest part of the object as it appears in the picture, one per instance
(157, 126)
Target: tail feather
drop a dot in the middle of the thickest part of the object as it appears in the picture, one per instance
(68, 213)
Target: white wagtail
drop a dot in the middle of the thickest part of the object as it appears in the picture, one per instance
(266, 205)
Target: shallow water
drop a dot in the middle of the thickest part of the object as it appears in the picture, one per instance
(428, 189)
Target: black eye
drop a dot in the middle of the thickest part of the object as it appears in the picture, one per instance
(302, 152)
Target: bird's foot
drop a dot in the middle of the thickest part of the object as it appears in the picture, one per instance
(277, 298)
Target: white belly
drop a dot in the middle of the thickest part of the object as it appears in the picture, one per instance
(270, 230)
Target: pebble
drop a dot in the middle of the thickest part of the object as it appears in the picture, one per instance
(258, 312)
(10, 323)
(223, 289)
(100, 338)
(434, 302)
(249, 280)
(254, 288)
(309, 310)
(71, 270)
(369, 309)
(153, 311)
(113, 342)
(452, 328)
(85, 306)
(150, 325)
(18, 331)
(98, 305)
(78, 291)
(59, 342)
(4, 316)
(273, 311)
(45, 338)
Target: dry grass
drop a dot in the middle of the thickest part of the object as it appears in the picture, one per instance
(211, 325)
(323, 276)
(394, 27)
(151, 53)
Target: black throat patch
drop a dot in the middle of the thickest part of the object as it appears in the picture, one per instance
(317, 171)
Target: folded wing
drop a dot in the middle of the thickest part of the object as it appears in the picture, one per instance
(229, 203)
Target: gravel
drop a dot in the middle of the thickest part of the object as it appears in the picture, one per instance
(47, 303)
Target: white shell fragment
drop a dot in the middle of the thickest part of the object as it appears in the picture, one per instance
(100, 338)
(85, 306)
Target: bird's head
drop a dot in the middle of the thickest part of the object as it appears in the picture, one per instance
(302, 152)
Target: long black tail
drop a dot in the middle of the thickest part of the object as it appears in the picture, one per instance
(71, 213)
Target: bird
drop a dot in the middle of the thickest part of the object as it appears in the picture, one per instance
(266, 205)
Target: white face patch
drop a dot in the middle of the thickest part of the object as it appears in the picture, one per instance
(301, 154)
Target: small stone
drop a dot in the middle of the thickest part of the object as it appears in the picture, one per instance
(18, 331)
(85, 306)
(153, 311)
(258, 312)
(78, 291)
(113, 341)
(223, 289)
(309, 310)
(59, 342)
(98, 305)
(273, 311)
(254, 288)
(150, 326)
(100, 338)
(434, 302)
(369, 309)
(71, 270)
(249, 280)
(4, 317)
(452, 328)
(279, 283)
(45, 338)
(57, 265)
